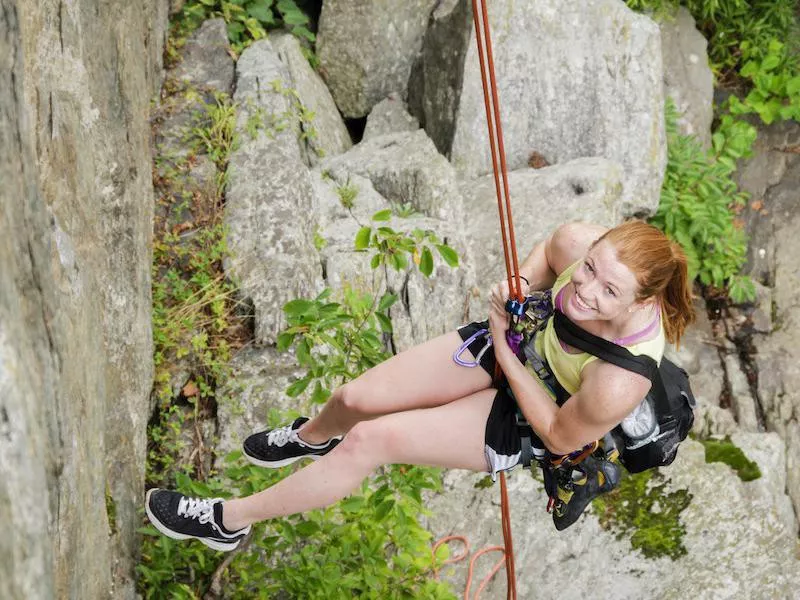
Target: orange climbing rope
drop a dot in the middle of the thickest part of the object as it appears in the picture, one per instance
(480, 18)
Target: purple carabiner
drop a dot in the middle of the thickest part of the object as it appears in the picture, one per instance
(465, 346)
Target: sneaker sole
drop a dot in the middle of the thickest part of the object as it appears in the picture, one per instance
(221, 546)
(276, 464)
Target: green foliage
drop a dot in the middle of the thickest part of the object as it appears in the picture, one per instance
(775, 93)
(394, 248)
(725, 451)
(641, 508)
(695, 208)
(737, 30)
(248, 20)
(369, 545)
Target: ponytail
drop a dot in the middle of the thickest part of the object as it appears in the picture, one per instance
(676, 299)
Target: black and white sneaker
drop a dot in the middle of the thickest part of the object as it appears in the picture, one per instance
(282, 446)
(182, 518)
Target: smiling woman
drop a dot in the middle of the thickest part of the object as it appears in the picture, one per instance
(427, 406)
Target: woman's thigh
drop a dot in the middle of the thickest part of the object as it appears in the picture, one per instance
(451, 435)
(421, 377)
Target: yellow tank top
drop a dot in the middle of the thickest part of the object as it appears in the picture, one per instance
(568, 367)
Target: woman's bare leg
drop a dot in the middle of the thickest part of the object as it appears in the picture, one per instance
(451, 435)
(421, 377)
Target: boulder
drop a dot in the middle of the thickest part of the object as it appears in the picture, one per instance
(726, 518)
(541, 200)
(323, 129)
(390, 115)
(206, 59)
(427, 307)
(688, 79)
(271, 220)
(574, 80)
(366, 49)
(266, 114)
(405, 168)
(257, 386)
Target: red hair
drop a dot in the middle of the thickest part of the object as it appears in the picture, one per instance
(660, 268)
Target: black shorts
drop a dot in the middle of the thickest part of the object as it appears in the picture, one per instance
(487, 361)
(503, 444)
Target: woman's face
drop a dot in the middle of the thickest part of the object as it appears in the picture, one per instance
(604, 288)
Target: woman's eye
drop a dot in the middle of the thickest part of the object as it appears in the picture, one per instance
(610, 291)
(589, 267)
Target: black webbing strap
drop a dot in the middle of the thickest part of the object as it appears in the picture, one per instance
(641, 364)
(610, 352)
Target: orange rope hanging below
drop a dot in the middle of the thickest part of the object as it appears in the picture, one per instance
(499, 169)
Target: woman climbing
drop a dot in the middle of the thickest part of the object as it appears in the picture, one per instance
(628, 284)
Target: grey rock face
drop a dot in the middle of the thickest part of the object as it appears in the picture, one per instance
(76, 311)
(263, 93)
(207, 62)
(405, 168)
(687, 76)
(366, 49)
(325, 133)
(259, 377)
(541, 200)
(772, 176)
(427, 307)
(270, 215)
(270, 202)
(389, 116)
(574, 80)
(728, 519)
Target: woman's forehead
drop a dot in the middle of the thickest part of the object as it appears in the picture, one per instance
(604, 255)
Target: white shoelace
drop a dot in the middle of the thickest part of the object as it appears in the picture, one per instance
(282, 436)
(196, 508)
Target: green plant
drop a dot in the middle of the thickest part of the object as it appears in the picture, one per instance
(775, 93)
(214, 134)
(248, 20)
(725, 451)
(393, 248)
(370, 545)
(696, 204)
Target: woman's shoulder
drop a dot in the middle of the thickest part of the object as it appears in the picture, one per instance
(569, 243)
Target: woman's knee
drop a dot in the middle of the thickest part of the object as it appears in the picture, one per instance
(370, 440)
(353, 397)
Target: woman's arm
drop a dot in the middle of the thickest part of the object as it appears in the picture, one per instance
(607, 395)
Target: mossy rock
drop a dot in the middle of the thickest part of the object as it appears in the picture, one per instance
(725, 451)
(642, 509)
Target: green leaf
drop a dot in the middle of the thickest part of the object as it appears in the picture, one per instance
(307, 528)
(362, 238)
(377, 259)
(387, 301)
(385, 322)
(320, 395)
(382, 215)
(352, 504)
(384, 508)
(448, 254)
(426, 262)
(297, 308)
(261, 10)
(298, 387)
(793, 86)
(285, 340)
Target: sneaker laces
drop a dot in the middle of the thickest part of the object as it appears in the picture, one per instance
(197, 508)
(282, 436)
